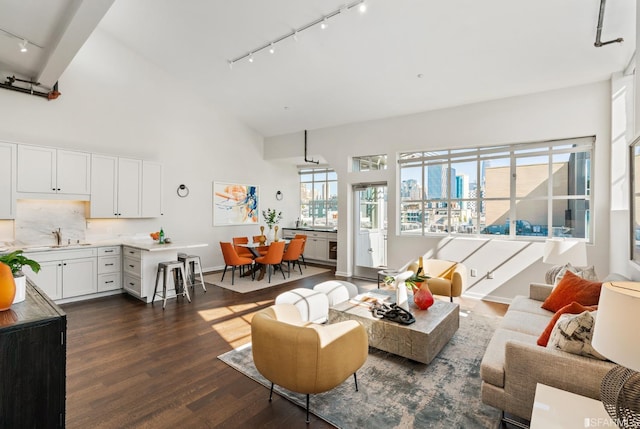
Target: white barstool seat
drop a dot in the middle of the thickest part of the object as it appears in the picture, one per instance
(312, 305)
(192, 266)
(165, 268)
(337, 291)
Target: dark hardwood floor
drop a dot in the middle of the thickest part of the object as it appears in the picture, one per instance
(133, 365)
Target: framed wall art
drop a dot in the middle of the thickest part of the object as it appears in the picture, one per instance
(235, 204)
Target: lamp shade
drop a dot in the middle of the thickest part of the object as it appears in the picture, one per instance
(617, 329)
(560, 251)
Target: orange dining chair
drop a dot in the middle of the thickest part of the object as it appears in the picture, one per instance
(262, 250)
(273, 258)
(292, 254)
(304, 243)
(231, 259)
(242, 251)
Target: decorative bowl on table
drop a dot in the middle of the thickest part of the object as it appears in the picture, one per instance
(155, 235)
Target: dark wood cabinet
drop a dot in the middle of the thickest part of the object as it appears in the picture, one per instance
(33, 354)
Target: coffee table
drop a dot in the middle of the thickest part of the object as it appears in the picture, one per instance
(420, 341)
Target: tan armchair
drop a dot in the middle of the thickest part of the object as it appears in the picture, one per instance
(302, 357)
(447, 278)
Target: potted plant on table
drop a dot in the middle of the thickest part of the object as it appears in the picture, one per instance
(416, 283)
(15, 261)
(271, 218)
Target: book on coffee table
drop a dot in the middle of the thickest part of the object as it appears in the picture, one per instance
(369, 298)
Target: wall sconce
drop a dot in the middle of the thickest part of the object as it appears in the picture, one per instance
(279, 195)
(182, 191)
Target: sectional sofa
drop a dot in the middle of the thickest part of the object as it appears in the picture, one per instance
(513, 363)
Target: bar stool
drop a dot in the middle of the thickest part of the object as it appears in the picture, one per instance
(177, 268)
(189, 262)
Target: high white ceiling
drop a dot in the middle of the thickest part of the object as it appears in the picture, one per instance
(363, 66)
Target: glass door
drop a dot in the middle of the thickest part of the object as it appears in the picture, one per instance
(370, 227)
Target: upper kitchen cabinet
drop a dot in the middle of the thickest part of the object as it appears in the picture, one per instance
(44, 172)
(151, 189)
(7, 180)
(116, 187)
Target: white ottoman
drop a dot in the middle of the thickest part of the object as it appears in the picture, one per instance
(313, 305)
(337, 291)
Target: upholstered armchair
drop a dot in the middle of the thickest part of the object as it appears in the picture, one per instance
(447, 278)
(305, 357)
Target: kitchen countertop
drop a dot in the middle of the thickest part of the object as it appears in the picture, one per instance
(146, 245)
(301, 228)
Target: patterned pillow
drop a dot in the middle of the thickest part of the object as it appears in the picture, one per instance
(573, 333)
(587, 273)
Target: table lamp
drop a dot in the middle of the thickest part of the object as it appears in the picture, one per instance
(616, 335)
(558, 251)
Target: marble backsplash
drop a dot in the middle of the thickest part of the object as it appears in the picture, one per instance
(37, 219)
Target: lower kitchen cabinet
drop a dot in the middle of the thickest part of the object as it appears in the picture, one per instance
(65, 273)
(33, 363)
(321, 246)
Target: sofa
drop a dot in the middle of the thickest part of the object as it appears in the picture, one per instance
(447, 278)
(513, 363)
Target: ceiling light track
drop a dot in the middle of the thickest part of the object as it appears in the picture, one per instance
(323, 20)
(23, 42)
(598, 42)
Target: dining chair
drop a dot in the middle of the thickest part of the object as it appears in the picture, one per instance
(242, 251)
(231, 259)
(273, 258)
(292, 254)
(262, 250)
(303, 237)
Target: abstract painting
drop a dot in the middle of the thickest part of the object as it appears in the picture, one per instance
(235, 204)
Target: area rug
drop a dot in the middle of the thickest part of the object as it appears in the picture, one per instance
(245, 284)
(395, 392)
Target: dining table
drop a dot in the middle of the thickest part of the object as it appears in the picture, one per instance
(255, 249)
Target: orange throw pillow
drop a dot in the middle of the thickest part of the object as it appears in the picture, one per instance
(573, 308)
(572, 288)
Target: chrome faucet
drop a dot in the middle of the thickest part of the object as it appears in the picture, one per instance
(58, 235)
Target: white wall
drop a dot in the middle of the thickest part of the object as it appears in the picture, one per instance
(570, 112)
(115, 102)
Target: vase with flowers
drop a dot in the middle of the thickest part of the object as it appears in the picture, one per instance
(271, 218)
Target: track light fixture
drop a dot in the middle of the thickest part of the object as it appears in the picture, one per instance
(22, 42)
(323, 22)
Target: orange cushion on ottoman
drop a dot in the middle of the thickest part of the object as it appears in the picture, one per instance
(573, 308)
(572, 288)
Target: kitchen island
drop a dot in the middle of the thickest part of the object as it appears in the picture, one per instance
(140, 261)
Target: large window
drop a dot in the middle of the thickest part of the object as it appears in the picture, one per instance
(318, 197)
(534, 189)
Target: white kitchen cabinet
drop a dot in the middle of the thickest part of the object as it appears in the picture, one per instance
(45, 170)
(151, 189)
(321, 246)
(65, 273)
(109, 268)
(116, 187)
(49, 278)
(7, 180)
(129, 187)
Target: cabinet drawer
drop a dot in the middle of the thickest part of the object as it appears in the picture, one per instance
(132, 252)
(133, 285)
(109, 251)
(108, 264)
(132, 266)
(109, 282)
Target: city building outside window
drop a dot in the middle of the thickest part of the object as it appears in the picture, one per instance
(540, 189)
(318, 197)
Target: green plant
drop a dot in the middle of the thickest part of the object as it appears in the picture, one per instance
(412, 282)
(271, 217)
(16, 260)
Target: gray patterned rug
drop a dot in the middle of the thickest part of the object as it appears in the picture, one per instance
(399, 393)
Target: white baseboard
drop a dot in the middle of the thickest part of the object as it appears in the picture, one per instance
(492, 298)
